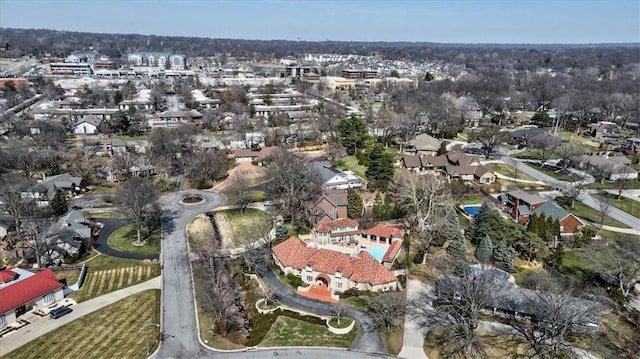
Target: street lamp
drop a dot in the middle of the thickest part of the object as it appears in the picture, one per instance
(146, 339)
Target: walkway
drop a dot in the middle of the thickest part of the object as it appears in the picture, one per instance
(101, 245)
(413, 343)
(318, 292)
(45, 324)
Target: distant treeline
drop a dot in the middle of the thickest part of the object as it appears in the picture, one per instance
(38, 42)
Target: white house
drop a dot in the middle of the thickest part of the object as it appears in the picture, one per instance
(22, 291)
(87, 126)
(333, 178)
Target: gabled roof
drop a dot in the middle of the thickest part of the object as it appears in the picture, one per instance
(530, 198)
(326, 172)
(328, 226)
(27, 290)
(338, 198)
(425, 142)
(411, 161)
(553, 210)
(293, 252)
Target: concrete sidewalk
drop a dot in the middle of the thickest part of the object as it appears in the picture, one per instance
(44, 325)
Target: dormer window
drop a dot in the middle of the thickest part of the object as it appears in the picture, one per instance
(338, 274)
(308, 269)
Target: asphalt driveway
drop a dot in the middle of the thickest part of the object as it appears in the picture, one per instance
(110, 225)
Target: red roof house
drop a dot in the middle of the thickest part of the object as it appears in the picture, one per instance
(38, 290)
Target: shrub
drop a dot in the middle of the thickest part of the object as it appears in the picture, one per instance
(294, 280)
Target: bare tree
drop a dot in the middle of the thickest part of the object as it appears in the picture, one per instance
(604, 207)
(622, 265)
(295, 185)
(387, 310)
(204, 166)
(553, 317)
(48, 242)
(568, 152)
(13, 199)
(424, 197)
(574, 189)
(624, 181)
(543, 146)
(338, 310)
(123, 161)
(137, 195)
(490, 137)
(453, 315)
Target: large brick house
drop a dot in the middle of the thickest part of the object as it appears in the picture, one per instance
(569, 223)
(331, 205)
(453, 165)
(336, 270)
(520, 204)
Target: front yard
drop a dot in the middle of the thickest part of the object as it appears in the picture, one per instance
(287, 331)
(245, 226)
(557, 174)
(107, 274)
(350, 163)
(122, 240)
(116, 331)
(624, 203)
(509, 171)
(587, 213)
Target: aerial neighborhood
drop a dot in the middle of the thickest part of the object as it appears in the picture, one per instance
(179, 197)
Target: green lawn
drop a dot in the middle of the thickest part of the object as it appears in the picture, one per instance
(122, 240)
(105, 214)
(286, 331)
(71, 276)
(530, 155)
(107, 274)
(243, 224)
(509, 171)
(585, 212)
(471, 199)
(250, 196)
(611, 185)
(350, 163)
(624, 204)
(116, 331)
(550, 172)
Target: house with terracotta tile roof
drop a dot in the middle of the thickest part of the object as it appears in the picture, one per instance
(22, 291)
(333, 269)
(331, 205)
(338, 231)
(384, 233)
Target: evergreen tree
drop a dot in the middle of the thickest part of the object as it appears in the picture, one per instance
(282, 233)
(442, 150)
(504, 257)
(59, 203)
(428, 76)
(457, 248)
(353, 133)
(461, 269)
(380, 167)
(354, 207)
(484, 250)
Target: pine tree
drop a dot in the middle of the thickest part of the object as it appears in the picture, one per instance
(354, 206)
(504, 256)
(282, 232)
(59, 203)
(484, 250)
(380, 167)
(457, 248)
(461, 269)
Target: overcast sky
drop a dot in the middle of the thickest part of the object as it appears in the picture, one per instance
(542, 21)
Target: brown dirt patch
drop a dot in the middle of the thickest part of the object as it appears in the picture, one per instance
(245, 173)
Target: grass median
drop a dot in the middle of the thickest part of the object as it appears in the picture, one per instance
(122, 240)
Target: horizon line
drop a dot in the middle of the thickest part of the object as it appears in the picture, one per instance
(637, 44)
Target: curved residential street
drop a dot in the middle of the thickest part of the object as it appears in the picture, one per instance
(178, 315)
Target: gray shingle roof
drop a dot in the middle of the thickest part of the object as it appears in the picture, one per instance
(551, 209)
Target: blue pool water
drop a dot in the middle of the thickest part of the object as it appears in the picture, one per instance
(471, 210)
(377, 252)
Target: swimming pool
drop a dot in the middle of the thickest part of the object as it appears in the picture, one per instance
(472, 210)
(377, 252)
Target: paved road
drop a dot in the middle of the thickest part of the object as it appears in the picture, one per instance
(585, 198)
(45, 324)
(178, 309)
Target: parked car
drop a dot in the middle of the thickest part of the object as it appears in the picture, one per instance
(59, 312)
